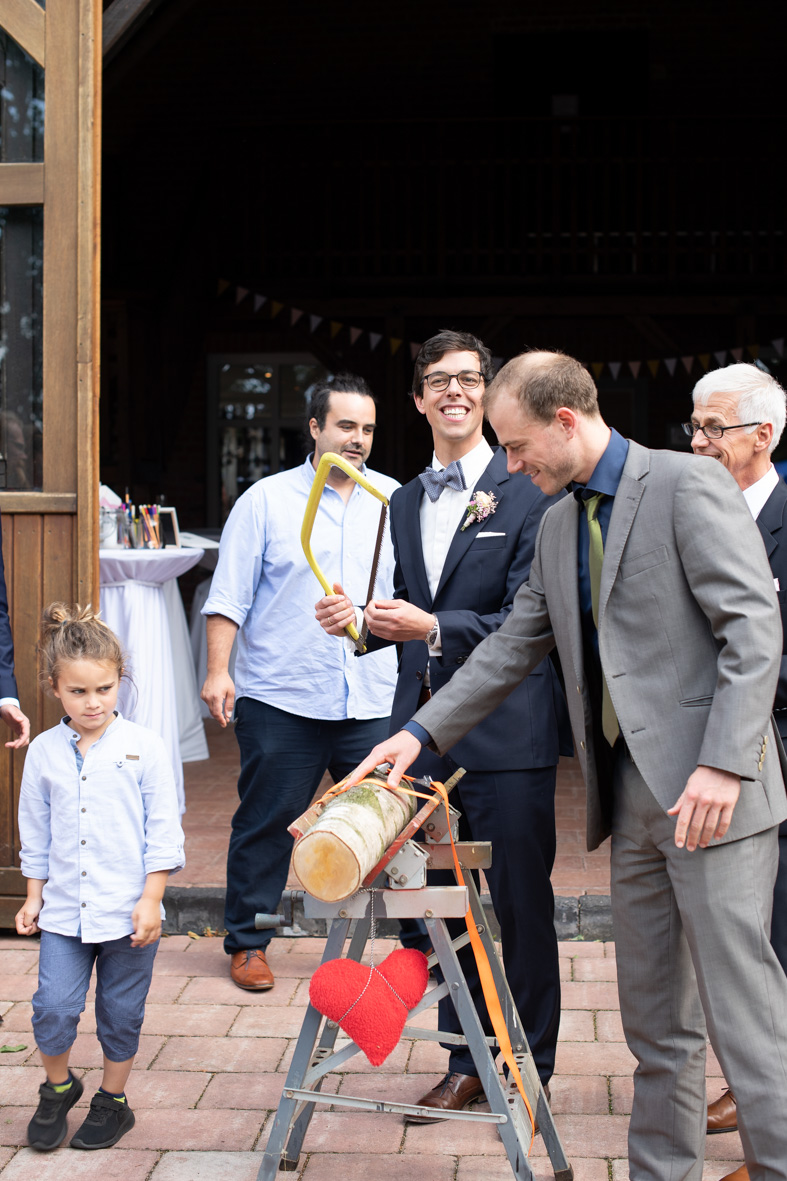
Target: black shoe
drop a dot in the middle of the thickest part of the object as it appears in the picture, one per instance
(106, 1122)
(47, 1129)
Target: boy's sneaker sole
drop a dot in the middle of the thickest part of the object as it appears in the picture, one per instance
(48, 1127)
(105, 1123)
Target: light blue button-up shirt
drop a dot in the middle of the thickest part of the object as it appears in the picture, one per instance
(265, 585)
(94, 832)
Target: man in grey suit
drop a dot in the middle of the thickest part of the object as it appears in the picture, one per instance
(669, 641)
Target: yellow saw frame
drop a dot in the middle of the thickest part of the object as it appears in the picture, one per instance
(331, 459)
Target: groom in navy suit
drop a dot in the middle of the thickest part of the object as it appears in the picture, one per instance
(464, 533)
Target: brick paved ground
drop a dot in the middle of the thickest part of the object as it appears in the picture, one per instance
(213, 1059)
(212, 1064)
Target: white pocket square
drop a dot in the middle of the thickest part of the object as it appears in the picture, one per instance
(489, 535)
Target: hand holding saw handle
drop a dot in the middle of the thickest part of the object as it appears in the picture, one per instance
(329, 460)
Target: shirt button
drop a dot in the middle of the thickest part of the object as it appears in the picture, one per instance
(84, 809)
(84, 904)
(83, 842)
(84, 777)
(84, 873)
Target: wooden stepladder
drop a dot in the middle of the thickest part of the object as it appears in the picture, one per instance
(405, 894)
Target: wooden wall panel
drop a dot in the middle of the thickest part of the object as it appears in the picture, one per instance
(39, 552)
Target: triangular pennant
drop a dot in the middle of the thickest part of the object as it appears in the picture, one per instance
(240, 294)
(721, 356)
(779, 346)
(275, 308)
(634, 366)
(598, 368)
(295, 315)
(354, 334)
(614, 368)
(314, 323)
(737, 354)
(671, 362)
(414, 349)
(704, 360)
(688, 363)
(754, 350)
(259, 300)
(394, 342)
(336, 327)
(374, 339)
(222, 286)
(653, 366)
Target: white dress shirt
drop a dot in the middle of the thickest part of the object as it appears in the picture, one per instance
(757, 494)
(441, 518)
(94, 832)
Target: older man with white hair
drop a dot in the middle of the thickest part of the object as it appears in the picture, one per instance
(738, 419)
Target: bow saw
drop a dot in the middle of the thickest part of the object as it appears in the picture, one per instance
(328, 460)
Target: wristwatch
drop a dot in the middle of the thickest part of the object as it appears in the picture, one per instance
(433, 633)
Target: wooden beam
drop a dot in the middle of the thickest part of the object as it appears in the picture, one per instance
(119, 18)
(25, 21)
(38, 502)
(21, 184)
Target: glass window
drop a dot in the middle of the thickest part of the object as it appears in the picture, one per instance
(257, 422)
(21, 362)
(21, 105)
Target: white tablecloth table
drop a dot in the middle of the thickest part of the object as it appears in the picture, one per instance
(140, 601)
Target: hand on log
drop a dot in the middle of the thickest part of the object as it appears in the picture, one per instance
(334, 612)
(400, 750)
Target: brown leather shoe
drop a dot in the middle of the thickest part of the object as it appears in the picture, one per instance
(453, 1093)
(723, 1115)
(250, 970)
(741, 1174)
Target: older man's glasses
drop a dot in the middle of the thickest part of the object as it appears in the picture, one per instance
(714, 432)
(469, 379)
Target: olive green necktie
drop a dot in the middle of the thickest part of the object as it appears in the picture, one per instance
(609, 721)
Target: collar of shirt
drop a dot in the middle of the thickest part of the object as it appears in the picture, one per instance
(441, 519)
(758, 493)
(607, 472)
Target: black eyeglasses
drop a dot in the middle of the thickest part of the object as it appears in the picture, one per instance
(469, 379)
(714, 432)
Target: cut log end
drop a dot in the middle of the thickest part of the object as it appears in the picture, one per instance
(326, 867)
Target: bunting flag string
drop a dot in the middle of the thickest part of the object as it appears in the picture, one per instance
(614, 368)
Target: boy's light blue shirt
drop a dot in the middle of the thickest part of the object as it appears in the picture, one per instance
(94, 833)
(265, 585)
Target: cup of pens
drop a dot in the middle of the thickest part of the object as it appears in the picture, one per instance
(139, 526)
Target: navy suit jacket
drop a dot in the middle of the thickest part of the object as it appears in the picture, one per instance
(7, 678)
(476, 592)
(772, 523)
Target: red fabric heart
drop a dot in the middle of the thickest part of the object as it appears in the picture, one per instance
(376, 1022)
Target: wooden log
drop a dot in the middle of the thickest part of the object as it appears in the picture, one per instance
(334, 856)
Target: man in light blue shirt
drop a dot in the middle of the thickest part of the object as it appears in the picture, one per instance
(303, 703)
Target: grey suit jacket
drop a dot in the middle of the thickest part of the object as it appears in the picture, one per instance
(689, 635)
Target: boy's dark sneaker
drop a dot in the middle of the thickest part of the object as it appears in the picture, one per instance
(106, 1122)
(47, 1129)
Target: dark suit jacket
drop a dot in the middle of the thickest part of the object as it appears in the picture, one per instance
(772, 518)
(475, 594)
(7, 678)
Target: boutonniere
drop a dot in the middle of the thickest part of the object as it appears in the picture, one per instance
(480, 507)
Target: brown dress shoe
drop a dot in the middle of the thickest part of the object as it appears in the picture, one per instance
(250, 970)
(723, 1115)
(453, 1093)
(741, 1174)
